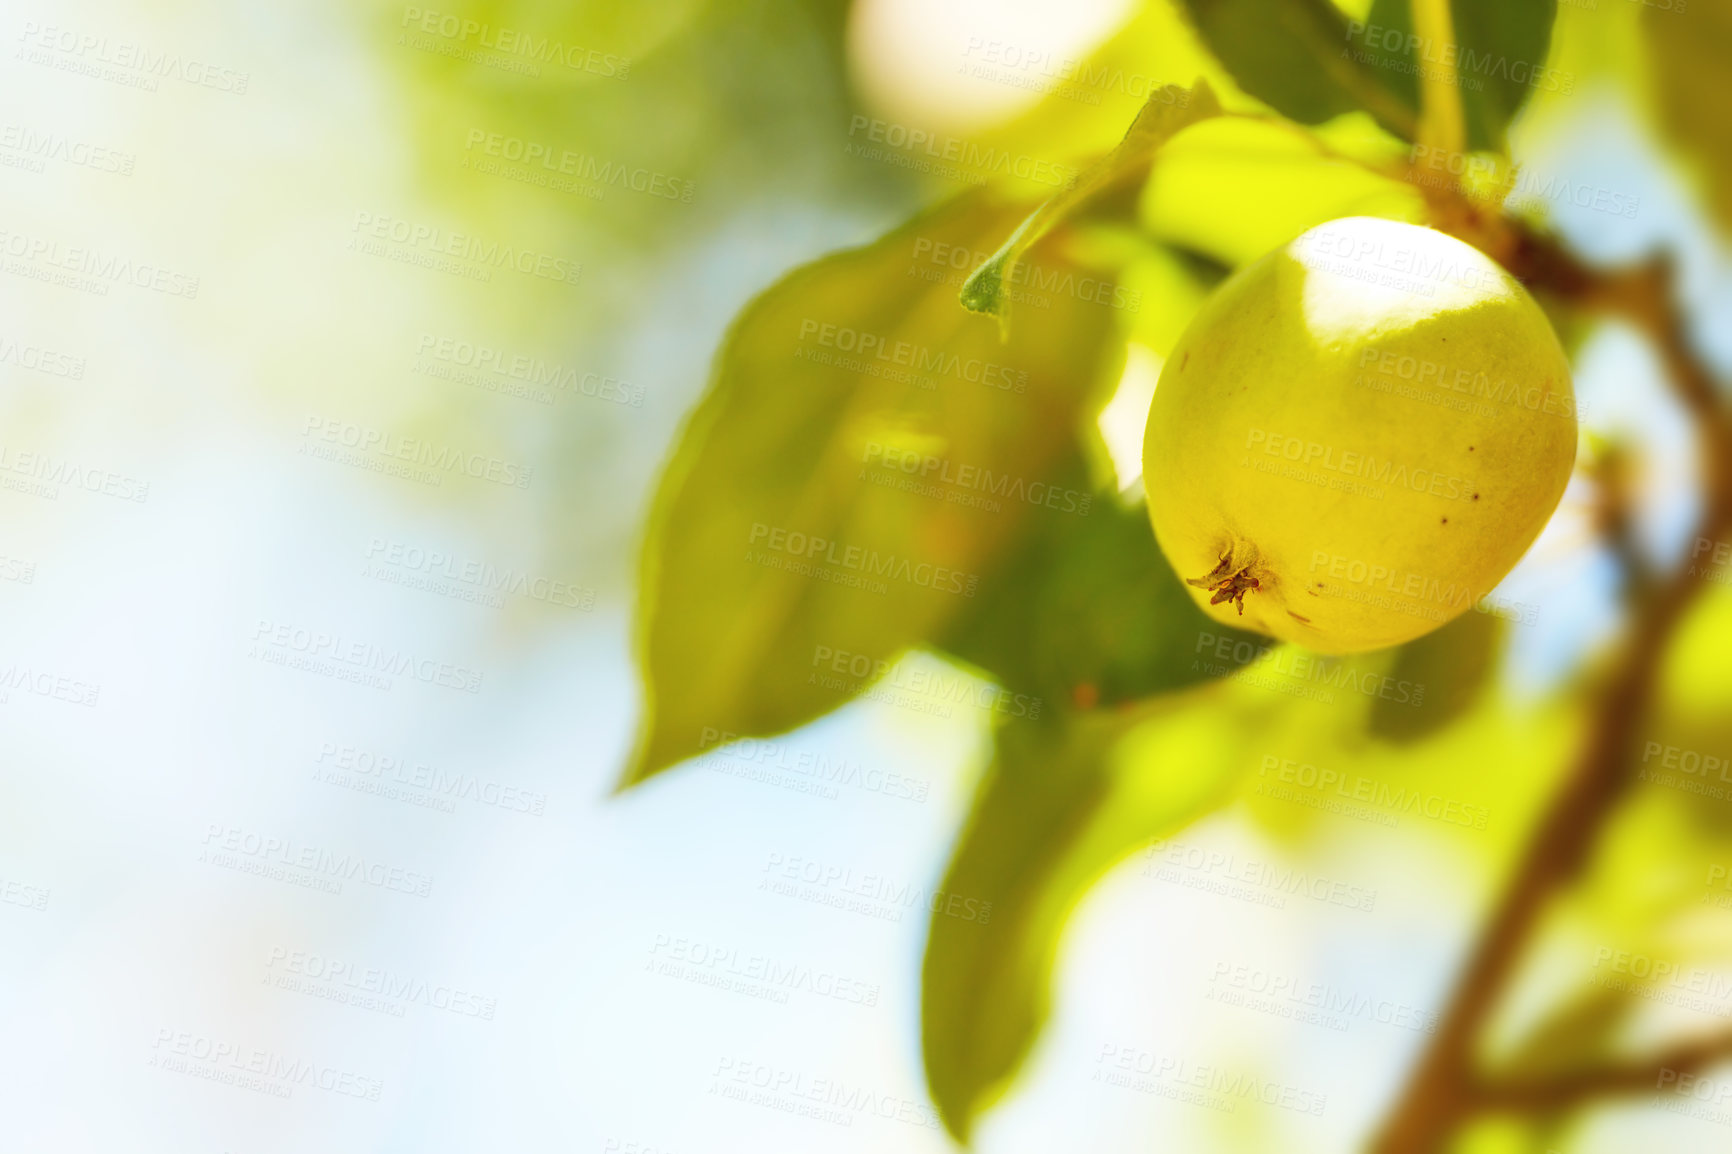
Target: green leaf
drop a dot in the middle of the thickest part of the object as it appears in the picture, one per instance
(1066, 798)
(1296, 56)
(1311, 63)
(788, 530)
(1167, 111)
(1210, 194)
(1088, 611)
(1452, 663)
(1500, 58)
(1688, 49)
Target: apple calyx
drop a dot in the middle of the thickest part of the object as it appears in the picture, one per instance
(1226, 584)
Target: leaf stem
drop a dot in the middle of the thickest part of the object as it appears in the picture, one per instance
(1441, 121)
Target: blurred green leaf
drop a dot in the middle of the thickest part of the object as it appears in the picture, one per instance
(1309, 62)
(1168, 110)
(1688, 50)
(1452, 663)
(1210, 193)
(828, 496)
(1087, 612)
(1296, 56)
(1500, 55)
(1066, 797)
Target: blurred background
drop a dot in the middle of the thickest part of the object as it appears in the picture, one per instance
(331, 414)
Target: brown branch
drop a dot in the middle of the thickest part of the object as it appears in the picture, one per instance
(1444, 1089)
(1643, 1076)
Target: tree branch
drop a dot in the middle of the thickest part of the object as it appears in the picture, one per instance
(1444, 1089)
(1548, 1095)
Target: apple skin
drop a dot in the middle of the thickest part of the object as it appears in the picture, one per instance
(1358, 436)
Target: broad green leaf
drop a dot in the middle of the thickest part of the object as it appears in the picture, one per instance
(1689, 48)
(1311, 63)
(1453, 663)
(1297, 57)
(1066, 797)
(1167, 111)
(1087, 612)
(1500, 58)
(825, 506)
(1210, 193)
